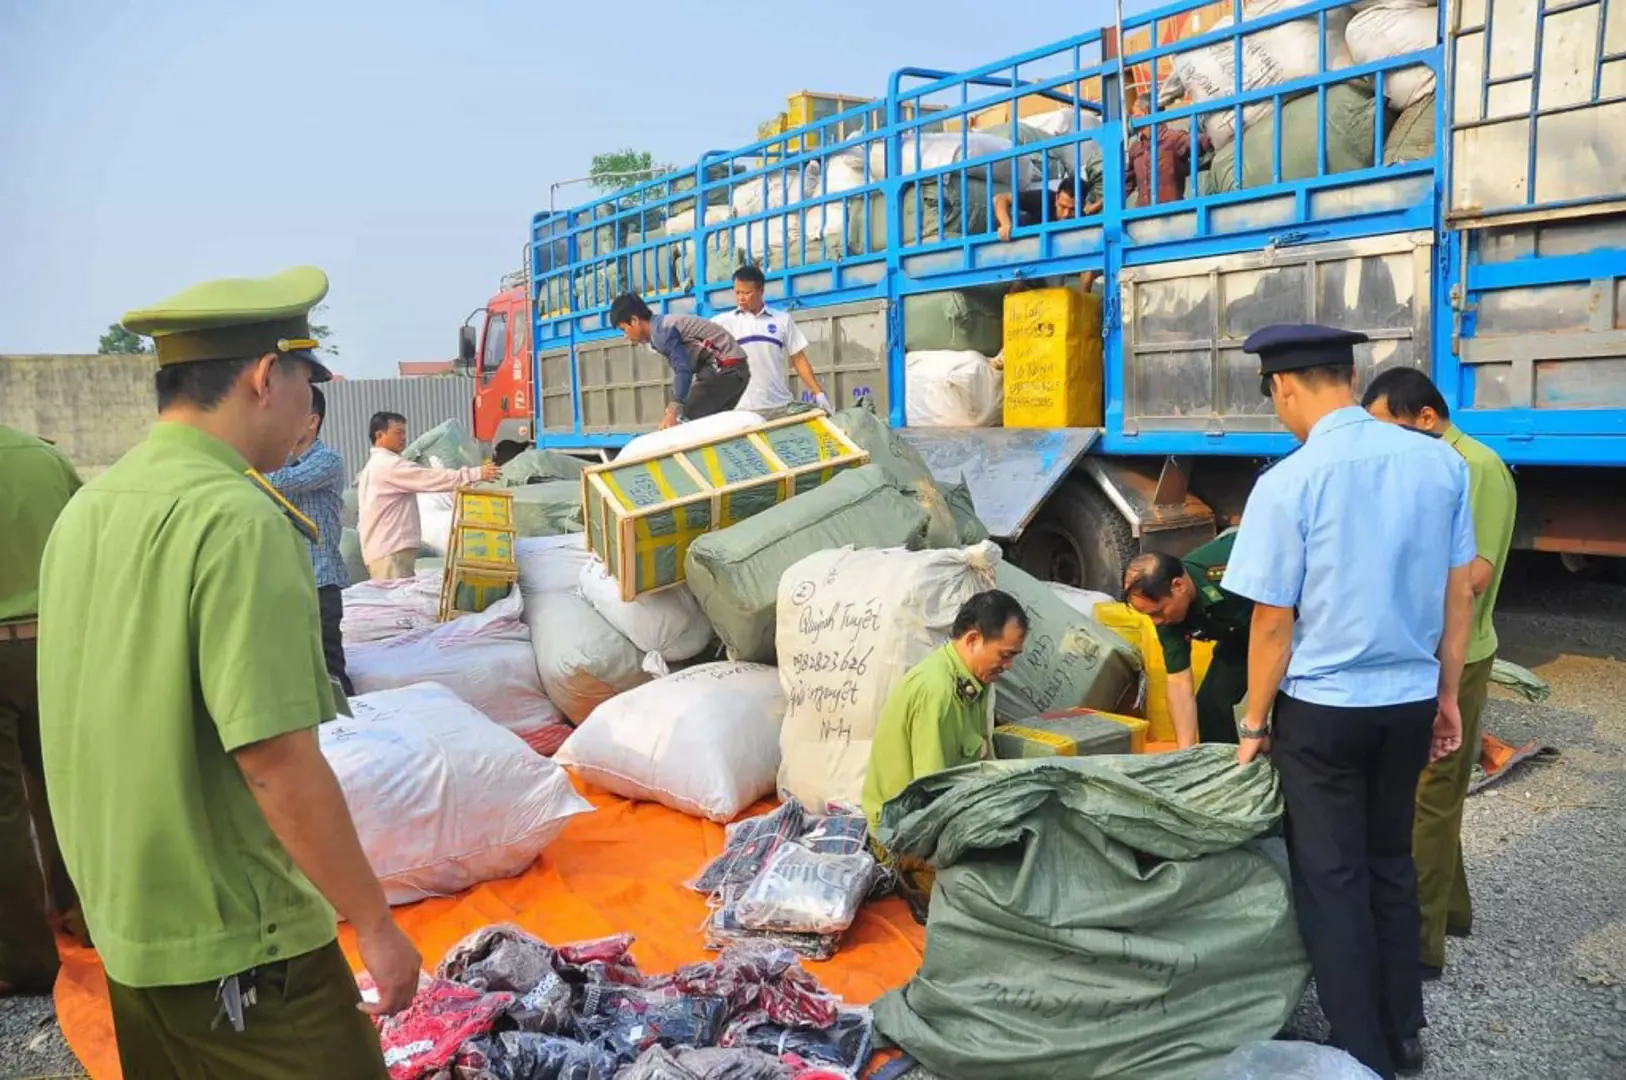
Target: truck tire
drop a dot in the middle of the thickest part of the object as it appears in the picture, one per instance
(1078, 538)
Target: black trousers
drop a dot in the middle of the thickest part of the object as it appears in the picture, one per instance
(716, 390)
(1225, 684)
(1349, 781)
(330, 601)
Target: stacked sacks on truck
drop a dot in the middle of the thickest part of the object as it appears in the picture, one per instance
(1276, 55)
(938, 208)
(851, 623)
(735, 572)
(1392, 28)
(1350, 118)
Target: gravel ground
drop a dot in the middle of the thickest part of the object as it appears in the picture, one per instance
(1540, 989)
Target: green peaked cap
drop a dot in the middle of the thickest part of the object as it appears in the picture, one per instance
(237, 318)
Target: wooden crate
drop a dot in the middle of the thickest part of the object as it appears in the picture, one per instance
(480, 566)
(489, 546)
(487, 506)
(470, 590)
(641, 514)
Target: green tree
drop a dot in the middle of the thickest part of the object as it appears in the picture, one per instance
(608, 166)
(120, 342)
(322, 332)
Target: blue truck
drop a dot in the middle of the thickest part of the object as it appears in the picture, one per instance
(1450, 181)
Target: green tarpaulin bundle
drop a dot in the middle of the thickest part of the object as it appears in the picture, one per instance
(548, 508)
(954, 522)
(735, 572)
(1096, 916)
(540, 466)
(446, 446)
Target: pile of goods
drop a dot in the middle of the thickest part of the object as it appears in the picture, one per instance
(504, 1005)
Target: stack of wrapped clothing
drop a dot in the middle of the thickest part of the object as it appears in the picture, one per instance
(790, 879)
(504, 1005)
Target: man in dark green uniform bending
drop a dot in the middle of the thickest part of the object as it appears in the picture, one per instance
(181, 680)
(1184, 600)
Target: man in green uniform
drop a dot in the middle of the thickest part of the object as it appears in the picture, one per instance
(36, 482)
(1406, 396)
(1184, 600)
(940, 714)
(181, 682)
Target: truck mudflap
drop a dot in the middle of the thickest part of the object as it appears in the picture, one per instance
(1010, 471)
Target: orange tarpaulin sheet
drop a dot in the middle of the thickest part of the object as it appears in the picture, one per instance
(619, 869)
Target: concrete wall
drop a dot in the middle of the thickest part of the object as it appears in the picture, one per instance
(93, 407)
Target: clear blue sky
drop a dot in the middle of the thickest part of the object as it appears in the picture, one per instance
(401, 146)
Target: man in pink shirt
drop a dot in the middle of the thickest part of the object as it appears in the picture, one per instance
(387, 491)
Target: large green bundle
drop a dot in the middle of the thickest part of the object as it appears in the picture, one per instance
(533, 466)
(735, 572)
(1350, 122)
(446, 445)
(549, 508)
(1095, 916)
(1070, 660)
(1411, 136)
(958, 320)
(954, 521)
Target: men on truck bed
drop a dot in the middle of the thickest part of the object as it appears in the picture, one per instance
(1356, 550)
(181, 683)
(387, 490)
(709, 369)
(774, 344)
(1406, 396)
(313, 480)
(1174, 164)
(36, 482)
(939, 715)
(1030, 205)
(1184, 600)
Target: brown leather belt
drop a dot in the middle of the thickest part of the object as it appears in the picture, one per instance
(19, 631)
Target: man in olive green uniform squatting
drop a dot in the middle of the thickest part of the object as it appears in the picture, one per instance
(36, 482)
(181, 682)
(1406, 396)
(1184, 600)
(939, 716)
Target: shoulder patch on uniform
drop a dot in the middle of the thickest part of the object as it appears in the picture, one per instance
(1215, 573)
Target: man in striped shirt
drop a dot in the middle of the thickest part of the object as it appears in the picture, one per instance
(709, 369)
(313, 480)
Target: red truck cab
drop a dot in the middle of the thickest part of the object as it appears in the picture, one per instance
(500, 362)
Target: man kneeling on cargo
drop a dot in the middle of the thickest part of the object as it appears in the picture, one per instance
(939, 716)
(710, 370)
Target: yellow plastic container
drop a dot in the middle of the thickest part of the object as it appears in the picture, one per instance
(1053, 359)
(1138, 630)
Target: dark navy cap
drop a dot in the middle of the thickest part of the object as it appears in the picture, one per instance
(1295, 346)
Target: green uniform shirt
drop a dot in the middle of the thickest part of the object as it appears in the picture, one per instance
(926, 726)
(1494, 503)
(178, 623)
(36, 482)
(1215, 615)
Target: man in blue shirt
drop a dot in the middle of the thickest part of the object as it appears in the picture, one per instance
(313, 481)
(710, 370)
(1356, 550)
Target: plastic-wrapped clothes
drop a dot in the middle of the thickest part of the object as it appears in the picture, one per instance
(521, 1055)
(723, 929)
(761, 983)
(500, 957)
(803, 892)
(845, 1043)
(602, 960)
(748, 844)
(629, 1020)
(708, 1063)
(442, 1017)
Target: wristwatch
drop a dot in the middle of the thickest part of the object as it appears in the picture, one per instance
(1253, 733)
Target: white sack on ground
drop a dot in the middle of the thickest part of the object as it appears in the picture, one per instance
(704, 741)
(550, 564)
(667, 626)
(1395, 28)
(952, 389)
(380, 610)
(850, 625)
(442, 798)
(484, 659)
(582, 660)
(702, 430)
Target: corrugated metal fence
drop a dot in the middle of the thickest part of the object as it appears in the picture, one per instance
(424, 402)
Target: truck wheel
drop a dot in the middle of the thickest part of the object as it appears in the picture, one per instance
(1079, 538)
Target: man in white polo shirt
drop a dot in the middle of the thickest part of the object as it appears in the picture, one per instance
(769, 337)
